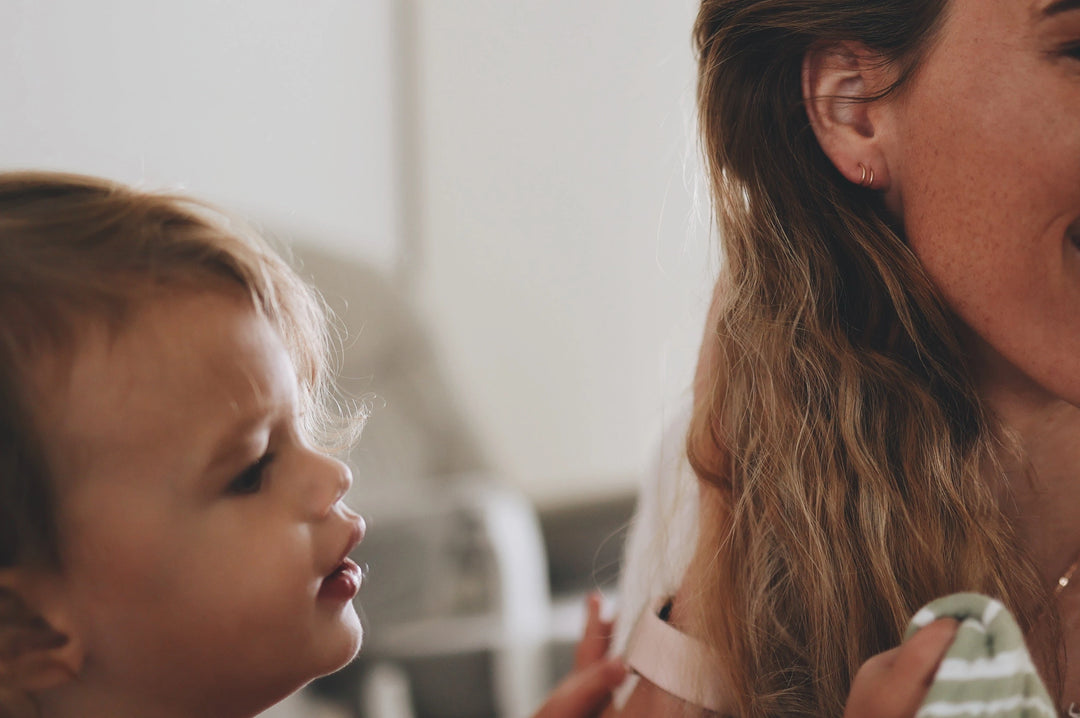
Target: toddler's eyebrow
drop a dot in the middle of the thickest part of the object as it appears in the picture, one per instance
(242, 436)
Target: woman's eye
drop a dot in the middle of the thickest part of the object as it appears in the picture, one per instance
(1072, 50)
(250, 479)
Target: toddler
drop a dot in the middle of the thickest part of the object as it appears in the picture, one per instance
(173, 540)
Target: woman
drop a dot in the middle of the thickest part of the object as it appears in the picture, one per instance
(886, 408)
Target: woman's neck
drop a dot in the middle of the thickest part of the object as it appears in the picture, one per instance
(88, 704)
(82, 700)
(1045, 482)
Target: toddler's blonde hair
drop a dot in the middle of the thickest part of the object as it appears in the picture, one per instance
(78, 251)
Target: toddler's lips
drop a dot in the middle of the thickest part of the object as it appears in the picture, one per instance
(342, 584)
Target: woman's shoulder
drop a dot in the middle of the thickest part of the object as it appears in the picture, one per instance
(647, 700)
(673, 673)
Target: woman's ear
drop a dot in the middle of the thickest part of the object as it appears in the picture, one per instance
(39, 648)
(838, 82)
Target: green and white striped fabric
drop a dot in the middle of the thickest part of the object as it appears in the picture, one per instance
(987, 670)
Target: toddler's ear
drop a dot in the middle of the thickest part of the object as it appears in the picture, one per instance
(37, 648)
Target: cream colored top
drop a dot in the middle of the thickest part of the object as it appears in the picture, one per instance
(676, 663)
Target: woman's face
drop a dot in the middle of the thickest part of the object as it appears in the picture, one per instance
(984, 160)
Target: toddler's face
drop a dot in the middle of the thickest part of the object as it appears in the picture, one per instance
(202, 539)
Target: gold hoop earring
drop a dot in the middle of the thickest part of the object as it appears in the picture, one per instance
(866, 178)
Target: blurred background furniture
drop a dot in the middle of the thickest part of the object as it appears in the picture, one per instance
(475, 602)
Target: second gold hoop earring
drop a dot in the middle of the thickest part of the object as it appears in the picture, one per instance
(866, 178)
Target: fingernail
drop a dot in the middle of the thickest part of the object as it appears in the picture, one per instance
(947, 625)
(592, 603)
(617, 668)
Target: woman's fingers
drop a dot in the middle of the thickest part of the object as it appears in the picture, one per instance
(596, 639)
(587, 690)
(893, 684)
(920, 655)
(584, 693)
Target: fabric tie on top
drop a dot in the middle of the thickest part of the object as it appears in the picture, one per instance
(987, 670)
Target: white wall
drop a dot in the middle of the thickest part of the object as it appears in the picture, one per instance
(564, 268)
(550, 237)
(281, 109)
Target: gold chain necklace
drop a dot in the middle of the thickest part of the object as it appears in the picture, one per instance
(1066, 578)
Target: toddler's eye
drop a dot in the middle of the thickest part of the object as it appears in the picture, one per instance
(251, 479)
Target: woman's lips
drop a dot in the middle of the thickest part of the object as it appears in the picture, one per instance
(342, 584)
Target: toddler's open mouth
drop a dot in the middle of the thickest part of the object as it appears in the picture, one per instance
(343, 583)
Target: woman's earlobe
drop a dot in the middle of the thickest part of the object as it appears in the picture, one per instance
(840, 84)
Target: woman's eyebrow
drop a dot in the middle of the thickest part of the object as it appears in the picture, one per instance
(1060, 6)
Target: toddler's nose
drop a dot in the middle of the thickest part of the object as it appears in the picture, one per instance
(330, 481)
(344, 479)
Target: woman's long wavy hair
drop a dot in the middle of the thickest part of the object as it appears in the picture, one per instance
(840, 425)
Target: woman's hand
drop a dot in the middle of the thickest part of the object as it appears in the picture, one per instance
(587, 690)
(893, 684)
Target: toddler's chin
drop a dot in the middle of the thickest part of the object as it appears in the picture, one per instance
(352, 636)
(358, 640)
